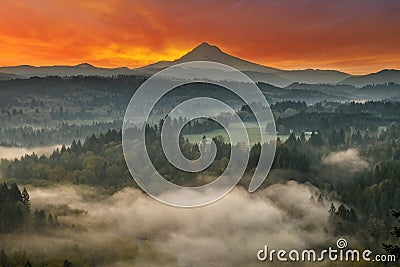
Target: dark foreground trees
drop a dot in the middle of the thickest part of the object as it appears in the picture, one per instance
(14, 207)
(394, 248)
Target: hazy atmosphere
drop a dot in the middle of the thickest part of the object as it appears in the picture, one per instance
(188, 236)
(199, 133)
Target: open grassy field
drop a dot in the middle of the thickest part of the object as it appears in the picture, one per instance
(252, 129)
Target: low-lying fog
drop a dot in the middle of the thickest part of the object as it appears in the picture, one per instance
(18, 152)
(226, 233)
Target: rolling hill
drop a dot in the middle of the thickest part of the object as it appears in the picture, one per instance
(380, 77)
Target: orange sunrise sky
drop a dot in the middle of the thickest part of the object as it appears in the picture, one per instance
(351, 36)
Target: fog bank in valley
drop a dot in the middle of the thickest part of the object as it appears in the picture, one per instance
(17, 152)
(226, 233)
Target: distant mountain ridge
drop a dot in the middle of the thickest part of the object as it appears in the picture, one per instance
(259, 73)
(208, 52)
(84, 69)
(380, 77)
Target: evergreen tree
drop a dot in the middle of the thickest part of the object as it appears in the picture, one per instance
(332, 210)
(40, 219)
(356, 138)
(302, 138)
(25, 200)
(67, 263)
(341, 137)
(15, 194)
(394, 249)
(291, 141)
(316, 139)
(74, 146)
(79, 146)
(352, 215)
(342, 212)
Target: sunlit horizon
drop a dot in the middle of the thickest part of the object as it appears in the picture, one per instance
(302, 35)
